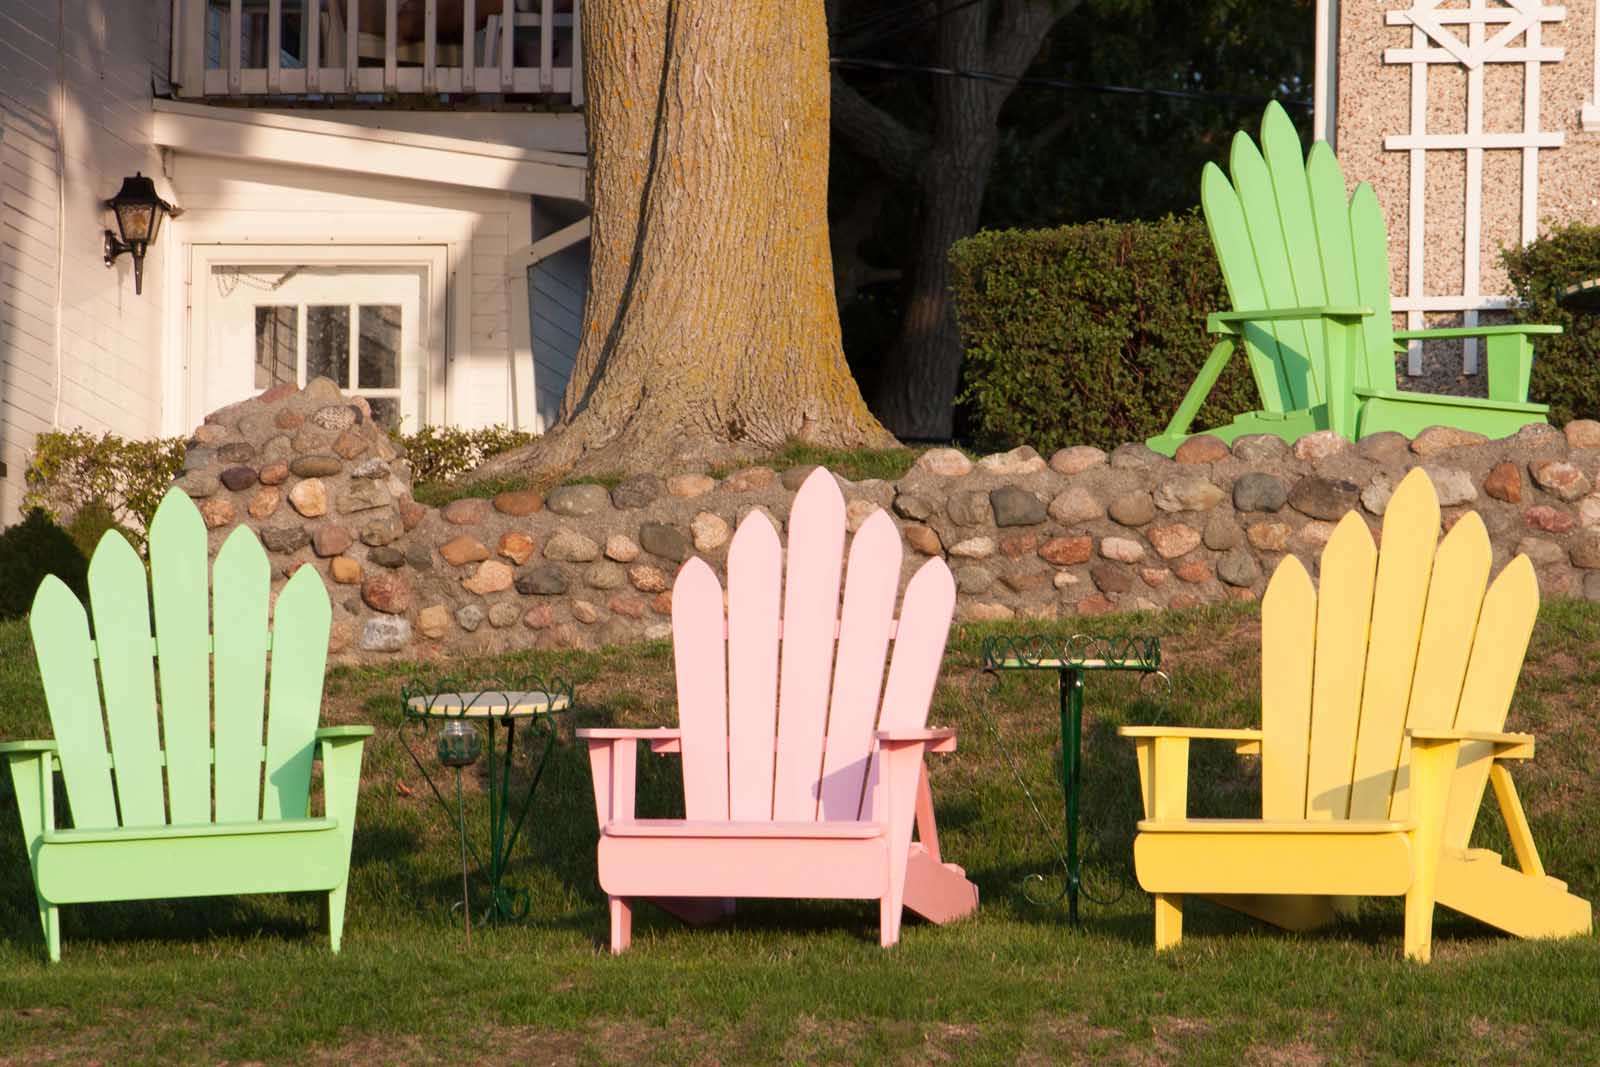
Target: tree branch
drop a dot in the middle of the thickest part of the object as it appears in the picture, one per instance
(1021, 30)
(875, 134)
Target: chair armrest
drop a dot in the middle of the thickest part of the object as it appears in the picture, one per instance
(1445, 333)
(343, 733)
(662, 739)
(1230, 321)
(1507, 746)
(1247, 742)
(936, 739)
(26, 748)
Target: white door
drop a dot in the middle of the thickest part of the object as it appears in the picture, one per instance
(268, 324)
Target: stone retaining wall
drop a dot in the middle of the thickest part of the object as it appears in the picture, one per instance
(1083, 533)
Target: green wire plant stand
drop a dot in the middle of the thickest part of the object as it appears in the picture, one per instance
(1070, 657)
(501, 706)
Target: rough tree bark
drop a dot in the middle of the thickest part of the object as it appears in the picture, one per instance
(710, 318)
(946, 168)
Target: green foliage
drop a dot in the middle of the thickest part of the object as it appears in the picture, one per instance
(442, 454)
(92, 522)
(72, 469)
(1566, 369)
(1089, 334)
(31, 549)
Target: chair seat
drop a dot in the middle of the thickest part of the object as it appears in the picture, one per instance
(733, 829)
(1274, 826)
(216, 829)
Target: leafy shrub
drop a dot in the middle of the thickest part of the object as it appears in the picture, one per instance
(1089, 334)
(441, 454)
(91, 523)
(73, 469)
(1566, 369)
(31, 549)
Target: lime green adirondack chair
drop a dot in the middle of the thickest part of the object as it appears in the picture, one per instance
(1308, 274)
(135, 836)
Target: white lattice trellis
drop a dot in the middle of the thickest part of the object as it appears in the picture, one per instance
(1491, 37)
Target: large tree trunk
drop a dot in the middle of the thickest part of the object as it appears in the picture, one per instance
(710, 318)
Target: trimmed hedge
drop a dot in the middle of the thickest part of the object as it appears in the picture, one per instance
(441, 454)
(1566, 369)
(1089, 334)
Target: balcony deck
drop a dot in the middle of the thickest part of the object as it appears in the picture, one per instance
(403, 53)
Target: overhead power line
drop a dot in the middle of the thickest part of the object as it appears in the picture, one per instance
(1068, 86)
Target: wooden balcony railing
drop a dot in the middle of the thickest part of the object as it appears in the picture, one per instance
(377, 49)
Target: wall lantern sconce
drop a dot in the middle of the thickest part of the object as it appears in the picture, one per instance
(139, 212)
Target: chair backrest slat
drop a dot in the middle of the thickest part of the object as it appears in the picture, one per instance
(301, 619)
(1344, 616)
(60, 630)
(755, 576)
(240, 580)
(1455, 599)
(698, 656)
(120, 602)
(1410, 537)
(1280, 147)
(1288, 655)
(872, 577)
(810, 615)
(1505, 625)
(1269, 242)
(1369, 235)
(1230, 237)
(182, 616)
(1330, 208)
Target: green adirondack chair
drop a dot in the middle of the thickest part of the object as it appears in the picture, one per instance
(1308, 274)
(133, 835)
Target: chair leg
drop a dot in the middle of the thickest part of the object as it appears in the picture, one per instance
(621, 925)
(335, 908)
(890, 910)
(50, 918)
(1169, 920)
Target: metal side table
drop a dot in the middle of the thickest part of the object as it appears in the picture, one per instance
(530, 703)
(1071, 657)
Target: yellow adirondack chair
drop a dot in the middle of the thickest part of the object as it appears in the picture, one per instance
(1383, 705)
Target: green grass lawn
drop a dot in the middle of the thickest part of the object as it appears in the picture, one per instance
(251, 980)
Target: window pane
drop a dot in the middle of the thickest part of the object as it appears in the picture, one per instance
(379, 360)
(328, 343)
(385, 411)
(275, 346)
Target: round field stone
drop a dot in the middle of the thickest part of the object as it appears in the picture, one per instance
(1121, 549)
(330, 540)
(647, 579)
(492, 576)
(1077, 459)
(1505, 482)
(912, 506)
(750, 479)
(1324, 498)
(433, 621)
(639, 491)
(388, 592)
(335, 417)
(923, 538)
(199, 484)
(946, 462)
(239, 478)
(578, 501)
(662, 540)
(1066, 551)
(316, 466)
(689, 485)
(518, 502)
(1238, 568)
(1187, 493)
(1132, 509)
(517, 547)
(1258, 491)
(237, 452)
(547, 580)
(309, 498)
(605, 575)
(285, 538)
(622, 548)
(363, 496)
(969, 508)
(460, 551)
(1017, 507)
(468, 511)
(470, 617)
(973, 579)
(571, 547)
(273, 473)
(382, 634)
(391, 557)
(1075, 505)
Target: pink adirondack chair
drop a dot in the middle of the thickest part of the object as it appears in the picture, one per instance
(795, 783)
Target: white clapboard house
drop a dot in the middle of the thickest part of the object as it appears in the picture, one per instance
(387, 192)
